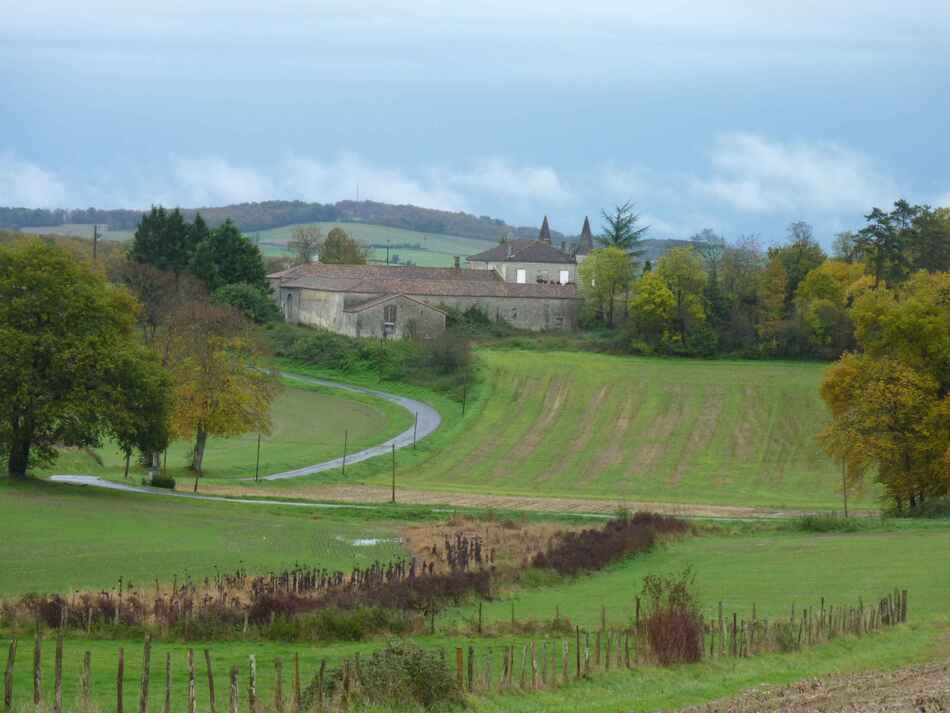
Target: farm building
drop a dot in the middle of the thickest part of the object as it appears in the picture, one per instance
(393, 301)
(527, 283)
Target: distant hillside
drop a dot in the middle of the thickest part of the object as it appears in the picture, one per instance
(276, 214)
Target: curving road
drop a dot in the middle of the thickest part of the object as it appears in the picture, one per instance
(427, 420)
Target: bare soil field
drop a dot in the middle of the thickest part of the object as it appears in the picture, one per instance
(918, 689)
(376, 494)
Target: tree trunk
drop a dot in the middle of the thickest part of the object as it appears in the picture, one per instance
(128, 457)
(196, 464)
(19, 458)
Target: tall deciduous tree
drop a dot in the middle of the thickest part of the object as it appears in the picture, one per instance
(605, 275)
(221, 385)
(71, 370)
(340, 249)
(652, 310)
(682, 271)
(305, 243)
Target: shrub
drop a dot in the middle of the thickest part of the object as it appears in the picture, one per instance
(251, 301)
(593, 549)
(832, 523)
(930, 508)
(162, 481)
(674, 624)
(404, 673)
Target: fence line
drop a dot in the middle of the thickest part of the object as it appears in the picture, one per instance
(555, 662)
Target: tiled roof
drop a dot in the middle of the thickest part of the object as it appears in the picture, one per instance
(418, 281)
(522, 251)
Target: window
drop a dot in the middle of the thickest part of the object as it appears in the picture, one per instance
(389, 320)
(521, 276)
(565, 276)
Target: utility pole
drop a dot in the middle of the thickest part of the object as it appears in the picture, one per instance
(346, 435)
(95, 241)
(257, 468)
(415, 427)
(394, 472)
(387, 252)
(844, 486)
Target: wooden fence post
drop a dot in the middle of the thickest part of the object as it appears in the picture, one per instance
(279, 685)
(210, 668)
(168, 682)
(296, 700)
(459, 680)
(192, 693)
(38, 668)
(146, 673)
(577, 651)
(85, 680)
(252, 684)
(8, 677)
(323, 666)
(471, 669)
(534, 665)
(233, 701)
(58, 675)
(120, 682)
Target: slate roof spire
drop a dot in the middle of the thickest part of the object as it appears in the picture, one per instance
(545, 235)
(586, 242)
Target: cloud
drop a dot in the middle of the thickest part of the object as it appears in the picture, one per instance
(313, 180)
(499, 177)
(753, 174)
(209, 181)
(26, 184)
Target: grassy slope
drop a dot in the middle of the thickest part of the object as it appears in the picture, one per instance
(773, 570)
(57, 537)
(308, 427)
(436, 250)
(590, 425)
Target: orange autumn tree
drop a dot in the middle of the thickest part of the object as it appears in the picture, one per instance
(890, 402)
(221, 385)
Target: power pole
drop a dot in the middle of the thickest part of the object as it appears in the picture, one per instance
(387, 252)
(394, 472)
(257, 468)
(95, 241)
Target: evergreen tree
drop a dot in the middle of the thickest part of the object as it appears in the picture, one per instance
(226, 257)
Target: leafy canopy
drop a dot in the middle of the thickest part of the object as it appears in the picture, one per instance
(71, 370)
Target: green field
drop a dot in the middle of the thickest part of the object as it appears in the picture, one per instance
(59, 537)
(308, 427)
(657, 430)
(434, 250)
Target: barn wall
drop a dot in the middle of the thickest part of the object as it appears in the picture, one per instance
(412, 320)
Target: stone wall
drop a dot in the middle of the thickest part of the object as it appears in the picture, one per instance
(547, 271)
(412, 320)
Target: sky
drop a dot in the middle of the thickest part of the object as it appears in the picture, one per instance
(736, 116)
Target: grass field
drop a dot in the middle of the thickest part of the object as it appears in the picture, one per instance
(434, 250)
(308, 427)
(59, 537)
(662, 430)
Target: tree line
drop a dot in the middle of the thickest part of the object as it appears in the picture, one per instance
(716, 297)
(155, 345)
(276, 214)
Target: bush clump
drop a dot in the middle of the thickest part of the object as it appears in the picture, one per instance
(595, 548)
(832, 523)
(162, 481)
(674, 623)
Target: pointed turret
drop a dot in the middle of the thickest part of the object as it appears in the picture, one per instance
(586, 241)
(545, 235)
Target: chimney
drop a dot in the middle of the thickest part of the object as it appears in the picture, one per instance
(457, 262)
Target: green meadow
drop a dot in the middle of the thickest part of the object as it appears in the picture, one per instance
(581, 425)
(309, 424)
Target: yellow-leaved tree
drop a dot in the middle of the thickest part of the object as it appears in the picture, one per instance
(221, 384)
(890, 403)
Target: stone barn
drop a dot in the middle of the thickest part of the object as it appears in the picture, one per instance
(395, 301)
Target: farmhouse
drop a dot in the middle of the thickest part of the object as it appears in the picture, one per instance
(528, 283)
(392, 301)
